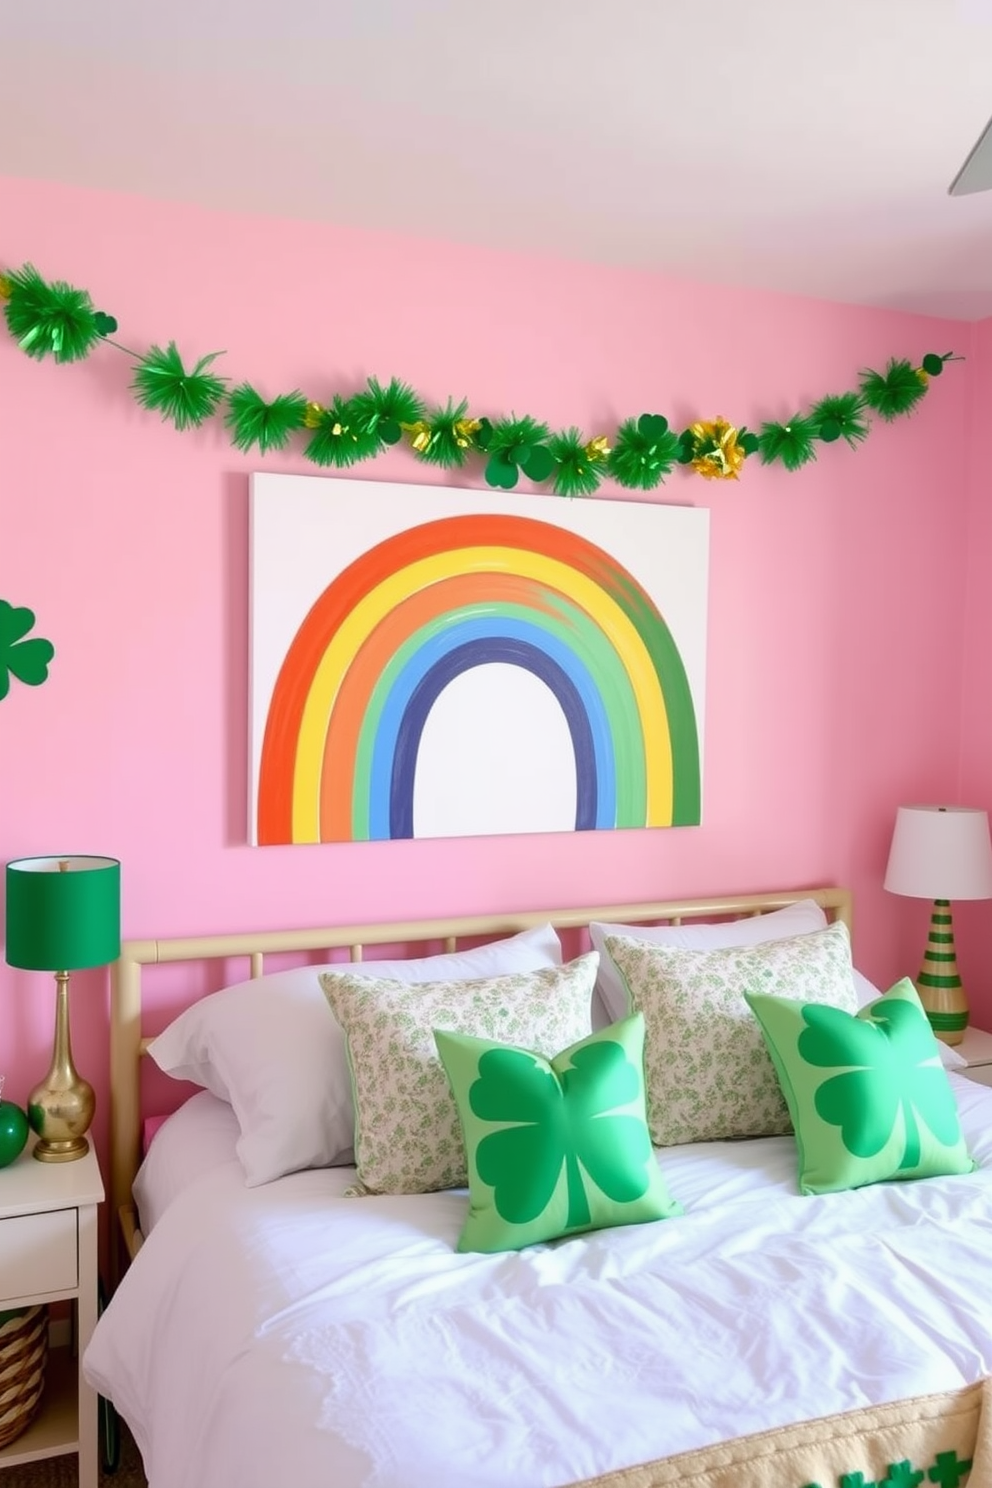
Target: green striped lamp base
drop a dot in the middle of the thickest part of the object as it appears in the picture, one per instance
(939, 983)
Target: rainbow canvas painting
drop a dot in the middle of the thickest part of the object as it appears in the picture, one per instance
(430, 662)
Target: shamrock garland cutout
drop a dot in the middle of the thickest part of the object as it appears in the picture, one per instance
(513, 445)
(561, 1122)
(890, 1067)
(27, 660)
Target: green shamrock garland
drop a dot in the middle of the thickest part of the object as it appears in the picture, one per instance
(27, 660)
(55, 319)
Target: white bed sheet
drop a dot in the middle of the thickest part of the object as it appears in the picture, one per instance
(287, 1333)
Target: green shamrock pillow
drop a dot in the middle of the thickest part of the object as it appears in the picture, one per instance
(555, 1146)
(867, 1092)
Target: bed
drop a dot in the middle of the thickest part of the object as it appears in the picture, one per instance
(290, 1330)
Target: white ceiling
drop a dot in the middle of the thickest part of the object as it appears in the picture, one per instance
(793, 144)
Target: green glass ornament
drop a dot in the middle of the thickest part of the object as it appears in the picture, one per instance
(13, 1131)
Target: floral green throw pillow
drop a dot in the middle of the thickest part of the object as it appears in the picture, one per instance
(869, 1097)
(709, 1076)
(555, 1146)
(407, 1134)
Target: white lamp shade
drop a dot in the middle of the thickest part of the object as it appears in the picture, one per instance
(940, 852)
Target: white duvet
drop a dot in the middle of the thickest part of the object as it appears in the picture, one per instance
(287, 1334)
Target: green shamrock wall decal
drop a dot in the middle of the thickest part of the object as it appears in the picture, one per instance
(560, 1122)
(891, 1065)
(27, 660)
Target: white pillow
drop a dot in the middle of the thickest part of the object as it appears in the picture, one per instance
(866, 990)
(200, 1136)
(780, 924)
(273, 1048)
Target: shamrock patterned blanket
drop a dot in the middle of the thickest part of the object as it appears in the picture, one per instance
(290, 1334)
(943, 1440)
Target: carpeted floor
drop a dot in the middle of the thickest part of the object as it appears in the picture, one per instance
(62, 1472)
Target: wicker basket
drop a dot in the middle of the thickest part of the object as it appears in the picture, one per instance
(23, 1356)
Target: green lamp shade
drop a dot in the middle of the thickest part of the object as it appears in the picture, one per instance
(63, 914)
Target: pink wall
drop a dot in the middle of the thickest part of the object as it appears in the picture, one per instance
(836, 594)
(971, 920)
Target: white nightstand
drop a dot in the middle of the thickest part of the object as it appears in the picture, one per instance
(48, 1253)
(976, 1048)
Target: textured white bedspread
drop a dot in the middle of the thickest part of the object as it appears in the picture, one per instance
(289, 1334)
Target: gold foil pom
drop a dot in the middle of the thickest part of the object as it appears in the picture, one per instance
(723, 459)
(598, 448)
(420, 435)
(313, 414)
(464, 429)
(6, 287)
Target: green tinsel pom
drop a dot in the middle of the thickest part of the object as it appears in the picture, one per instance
(841, 416)
(644, 452)
(444, 437)
(791, 444)
(578, 473)
(253, 422)
(337, 439)
(50, 319)
(162, 384)
(380, 412)
(895, 391)
(514, 444)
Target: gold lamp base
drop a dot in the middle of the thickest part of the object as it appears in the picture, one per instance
(939, 983)
(61, 1107)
